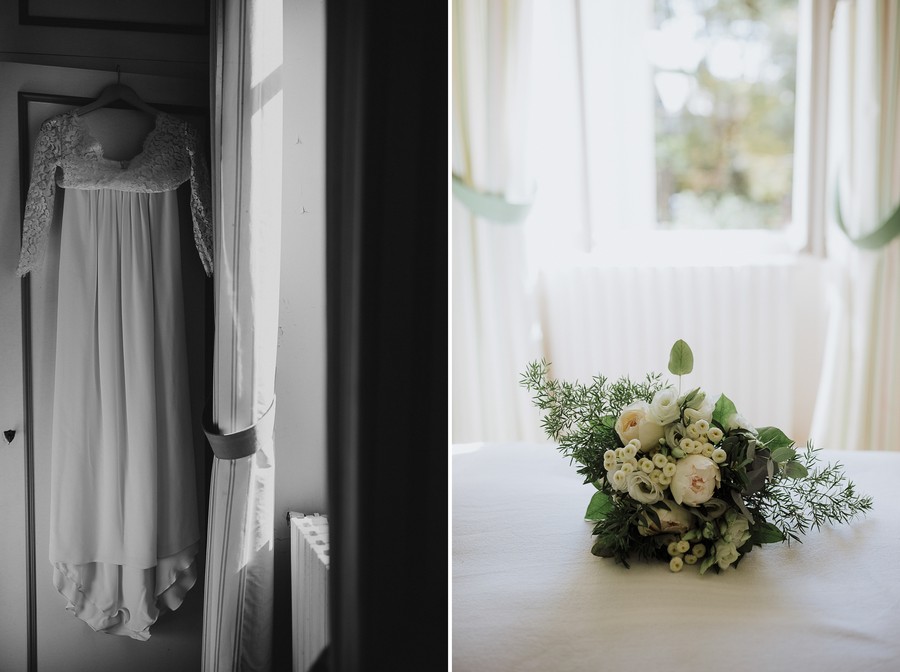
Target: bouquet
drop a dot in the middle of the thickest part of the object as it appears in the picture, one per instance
(683, 478)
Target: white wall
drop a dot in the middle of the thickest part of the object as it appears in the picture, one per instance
(300, 474)
(300, 378)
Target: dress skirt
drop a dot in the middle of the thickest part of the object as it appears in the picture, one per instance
(124, 527)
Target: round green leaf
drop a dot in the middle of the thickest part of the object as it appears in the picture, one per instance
(681, 359)
(794, 469)
(783, 454)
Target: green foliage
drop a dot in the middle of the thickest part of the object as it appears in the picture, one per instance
(766, 533)
(773, 439)
(581, 418)
(681, 359)
(797, 504)
(599, 507)
(616, 536)
(783, 454)
(724, 409)
(795, 469)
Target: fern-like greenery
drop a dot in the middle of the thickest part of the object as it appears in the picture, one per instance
(825, 496)
(581, 418)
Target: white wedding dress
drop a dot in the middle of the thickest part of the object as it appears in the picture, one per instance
(124, 528)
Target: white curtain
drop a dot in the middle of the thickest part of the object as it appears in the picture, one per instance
(856, 407)
(237, 627)
(494, 327)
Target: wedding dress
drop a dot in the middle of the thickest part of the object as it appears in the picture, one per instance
(124, 528)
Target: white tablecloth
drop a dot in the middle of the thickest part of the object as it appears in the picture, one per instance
(528, 595)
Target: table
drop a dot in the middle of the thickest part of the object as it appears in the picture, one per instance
(528, 595)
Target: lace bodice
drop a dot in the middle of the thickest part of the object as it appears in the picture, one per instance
(171, 155)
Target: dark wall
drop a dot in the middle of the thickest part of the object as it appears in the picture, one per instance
(387, 199)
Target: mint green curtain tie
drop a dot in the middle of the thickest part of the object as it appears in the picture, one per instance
(874, 240)
(489, 206)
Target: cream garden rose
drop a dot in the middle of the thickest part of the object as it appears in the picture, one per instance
(696, 479)
(635, 422)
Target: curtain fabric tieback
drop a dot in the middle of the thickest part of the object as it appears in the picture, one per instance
(489, 206)
(874, 240)
(243, 443)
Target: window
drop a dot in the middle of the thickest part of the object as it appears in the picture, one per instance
(663, 117)
(724, 77)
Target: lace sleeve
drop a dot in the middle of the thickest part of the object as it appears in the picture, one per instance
(41, 192)
(200, 200)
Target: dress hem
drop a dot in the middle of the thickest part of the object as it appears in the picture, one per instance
(178, 580)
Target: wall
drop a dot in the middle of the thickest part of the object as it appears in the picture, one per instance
(300, 378)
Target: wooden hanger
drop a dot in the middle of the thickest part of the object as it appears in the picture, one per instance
(114, 92)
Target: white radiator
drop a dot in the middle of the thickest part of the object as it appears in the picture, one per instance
(756, 330)
(309, 587)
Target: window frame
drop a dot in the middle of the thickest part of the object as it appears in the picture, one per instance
(804, 233)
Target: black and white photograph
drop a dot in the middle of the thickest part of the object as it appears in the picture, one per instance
(224, 344)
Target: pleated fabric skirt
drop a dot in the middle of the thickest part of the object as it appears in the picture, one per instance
(124, 528)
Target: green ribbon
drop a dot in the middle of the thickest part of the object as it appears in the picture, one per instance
(874, 240)
(489, 206)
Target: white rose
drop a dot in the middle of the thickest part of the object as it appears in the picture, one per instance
(699, 408)
(664, 408)
(737, 529)
(738, 421)
(696, 478)
(726, 554)
(696, 401)
(674, 434)
(635, 423)
(642, 488)
(675, 520)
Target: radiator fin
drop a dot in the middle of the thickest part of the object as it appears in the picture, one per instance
(309, 588)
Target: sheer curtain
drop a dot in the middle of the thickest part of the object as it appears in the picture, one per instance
(494, 330)
(237, 616)
(856, 408)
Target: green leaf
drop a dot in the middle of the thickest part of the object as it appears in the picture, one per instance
(681, 359)
(773, 438)
(724, 409)
(602, 550)
(689, 397)
(783, 454)
(795, 469)
(596, 484)
(599, 507)
(766, 533)
(653, 516)
(708, 561)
